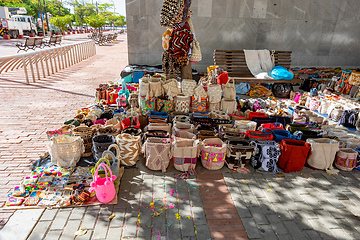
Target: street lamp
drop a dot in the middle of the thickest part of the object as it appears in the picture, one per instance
(114, 14)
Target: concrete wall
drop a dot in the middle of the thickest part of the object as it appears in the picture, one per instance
(319, 32)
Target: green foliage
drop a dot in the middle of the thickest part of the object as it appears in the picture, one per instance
(96, 21)
(55, 7)
(61, 22)
(82, 10)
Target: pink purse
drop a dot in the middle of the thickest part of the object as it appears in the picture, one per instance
(104, 187)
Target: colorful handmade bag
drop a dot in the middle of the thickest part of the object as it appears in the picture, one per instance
(157, 153)
(266, 155)
(129, 148)
(354, 78)
(242, 88)
(147, 104)
(336, 113)
(158, 117)
(188, 86)
(314, 104)
(58, 132)
(169, 12)
(238, 152)
(182, 104)
(214, 94)
(198, 106)
(130, 122)
(349, 118)
(181, 118)
(323, 151)
(164, 105)
(134, 100)
(104, 187)
(259, 135)
(213, 153)
(86, 133)
(199, 92)
(293, 155)
(346, 159)
(185, 153)
(280, 134)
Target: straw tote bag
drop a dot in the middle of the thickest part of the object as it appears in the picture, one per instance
(214, 93)
(171, 88)
(228, 105)
(229, 90)
(187, 87)
(182, 104)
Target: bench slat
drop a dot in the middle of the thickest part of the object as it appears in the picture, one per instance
(255, 80)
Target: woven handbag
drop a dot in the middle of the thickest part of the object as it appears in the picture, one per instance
(156, 89)
(219, 115)
(199, 92)
(336, 113)
(159, 126)
(229, 91)
(214, 106)
(346, 159)
(65, 151)
(86, 133)
(144, 88)
(129, 148)
(228, 106)
(354, 78)
(207, 134)
(164, 105)
(185, 153)
(324, 105)
(147, 104)
(280, 134)
(323, 151)
(314, 104)
(238, 152)
(181, 118)
(259, 135)
(294, 154)
(184, 134)
(114, 122)
(180, 126)
(246, 124)
(134, 100)
(171, 88)
(100, 144)
(266, 155)
(198, 106)
(157, 153)
(188, 86)
(213, 153)
(182, 104)
(214, 94)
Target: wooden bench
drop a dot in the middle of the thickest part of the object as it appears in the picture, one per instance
(53, 41)
(233, 61)
(30, 43)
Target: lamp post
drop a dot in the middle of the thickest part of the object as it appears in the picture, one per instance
(114, 14)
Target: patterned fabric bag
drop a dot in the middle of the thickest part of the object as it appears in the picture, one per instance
(86, 133)
(134, 100)
(185, 153)
(147, 105)
(219, 115)
(213, 153)
(346, 159)
(157, 153)
(170, 66)
(188, 86)
(164, 105)
(166, 38)
(65, 151)
(336, 113)
(214, 93)
(228, 106)
(324, 106)
(266, 156)
(171, 88)
(242, 88)
(349, 118)
(129, 148)
(229, 90)
(238, 152)
(314, 104)
(198, 106)
(159, 126)
(169, 12)
(182, 104)
(180, 126)
(354, 78)
(323, 151)
(180, 41)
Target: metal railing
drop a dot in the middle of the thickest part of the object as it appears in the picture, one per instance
(48, 61)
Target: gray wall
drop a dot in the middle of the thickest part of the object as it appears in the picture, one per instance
(323, 33)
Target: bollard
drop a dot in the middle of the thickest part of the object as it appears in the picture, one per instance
(20, 36)
(7, 37)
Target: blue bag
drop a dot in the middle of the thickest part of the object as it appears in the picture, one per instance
(280, 134)
(279, 72)
(314, 92)
(136, 76)
(242, 88)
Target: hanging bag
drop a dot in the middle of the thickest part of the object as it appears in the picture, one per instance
(104, 187)
(229, 90)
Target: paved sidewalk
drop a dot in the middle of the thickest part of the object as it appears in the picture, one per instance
(152, 205)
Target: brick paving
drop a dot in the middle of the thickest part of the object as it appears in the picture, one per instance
(152, 205)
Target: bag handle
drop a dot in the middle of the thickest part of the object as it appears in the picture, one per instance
(101, 160)
(106, 168)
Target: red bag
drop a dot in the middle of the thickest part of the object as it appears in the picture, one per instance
(259, 135)
(294, 154)
(130, 122)
(271, 126)
(257, 114)
(223, 78)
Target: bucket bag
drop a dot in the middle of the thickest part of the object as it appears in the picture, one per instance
(182, 104)
(171, 88)
(228, 106)
(214, 93)
(156, 89)
(101, 143)
(86, 133)
(323, 151)
(65, 151)
(129, 148)
(238, 151)
(294, 154)
(185, 153)
(157, 153)
(346, 159)
(213, 153)
(229, 90)
(266, 155)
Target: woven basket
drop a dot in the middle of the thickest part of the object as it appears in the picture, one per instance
(213, 153)
(100, 144)
(129, 148)
(66, 151)
(185, 153)
(345, 159)
(86, 134)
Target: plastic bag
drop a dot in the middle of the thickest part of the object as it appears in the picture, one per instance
(279, 72)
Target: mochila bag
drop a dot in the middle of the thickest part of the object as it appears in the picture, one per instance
(242, 88)
(144, 88)
(238, 152)
(199, 92)
(198, 106)
(349, 118)
(182, 104)
(58, 132)
(65, 151)
(129, 148)
(259, 135)
(147, 104)
(214, 106)
(324, 105)
(157, 153)
(214, 93)
(213, 153)
(185, 153)
(336, 113)
(354, 78)
(104, 187)
(181, 126)
(294, 154)
(113, 160)
(266, 155)
(184, 134)
(114, 122)
(228, 106)
(156, 89)
(181, 118)
(171, 88)
(159, 126)
(86, 133)
(134, 100)
(314, 104)
(323, 151)
(164, 105)
(207, 134)
(100, 144)
(346, 159)
(196, 55)
(229, 90)
(188, 86)
(130, 122)
(219, 115)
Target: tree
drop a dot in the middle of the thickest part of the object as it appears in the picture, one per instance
(82, 10)
(95, 21)
(61, 22)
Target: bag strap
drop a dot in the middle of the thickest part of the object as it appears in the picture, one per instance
(106, 168)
